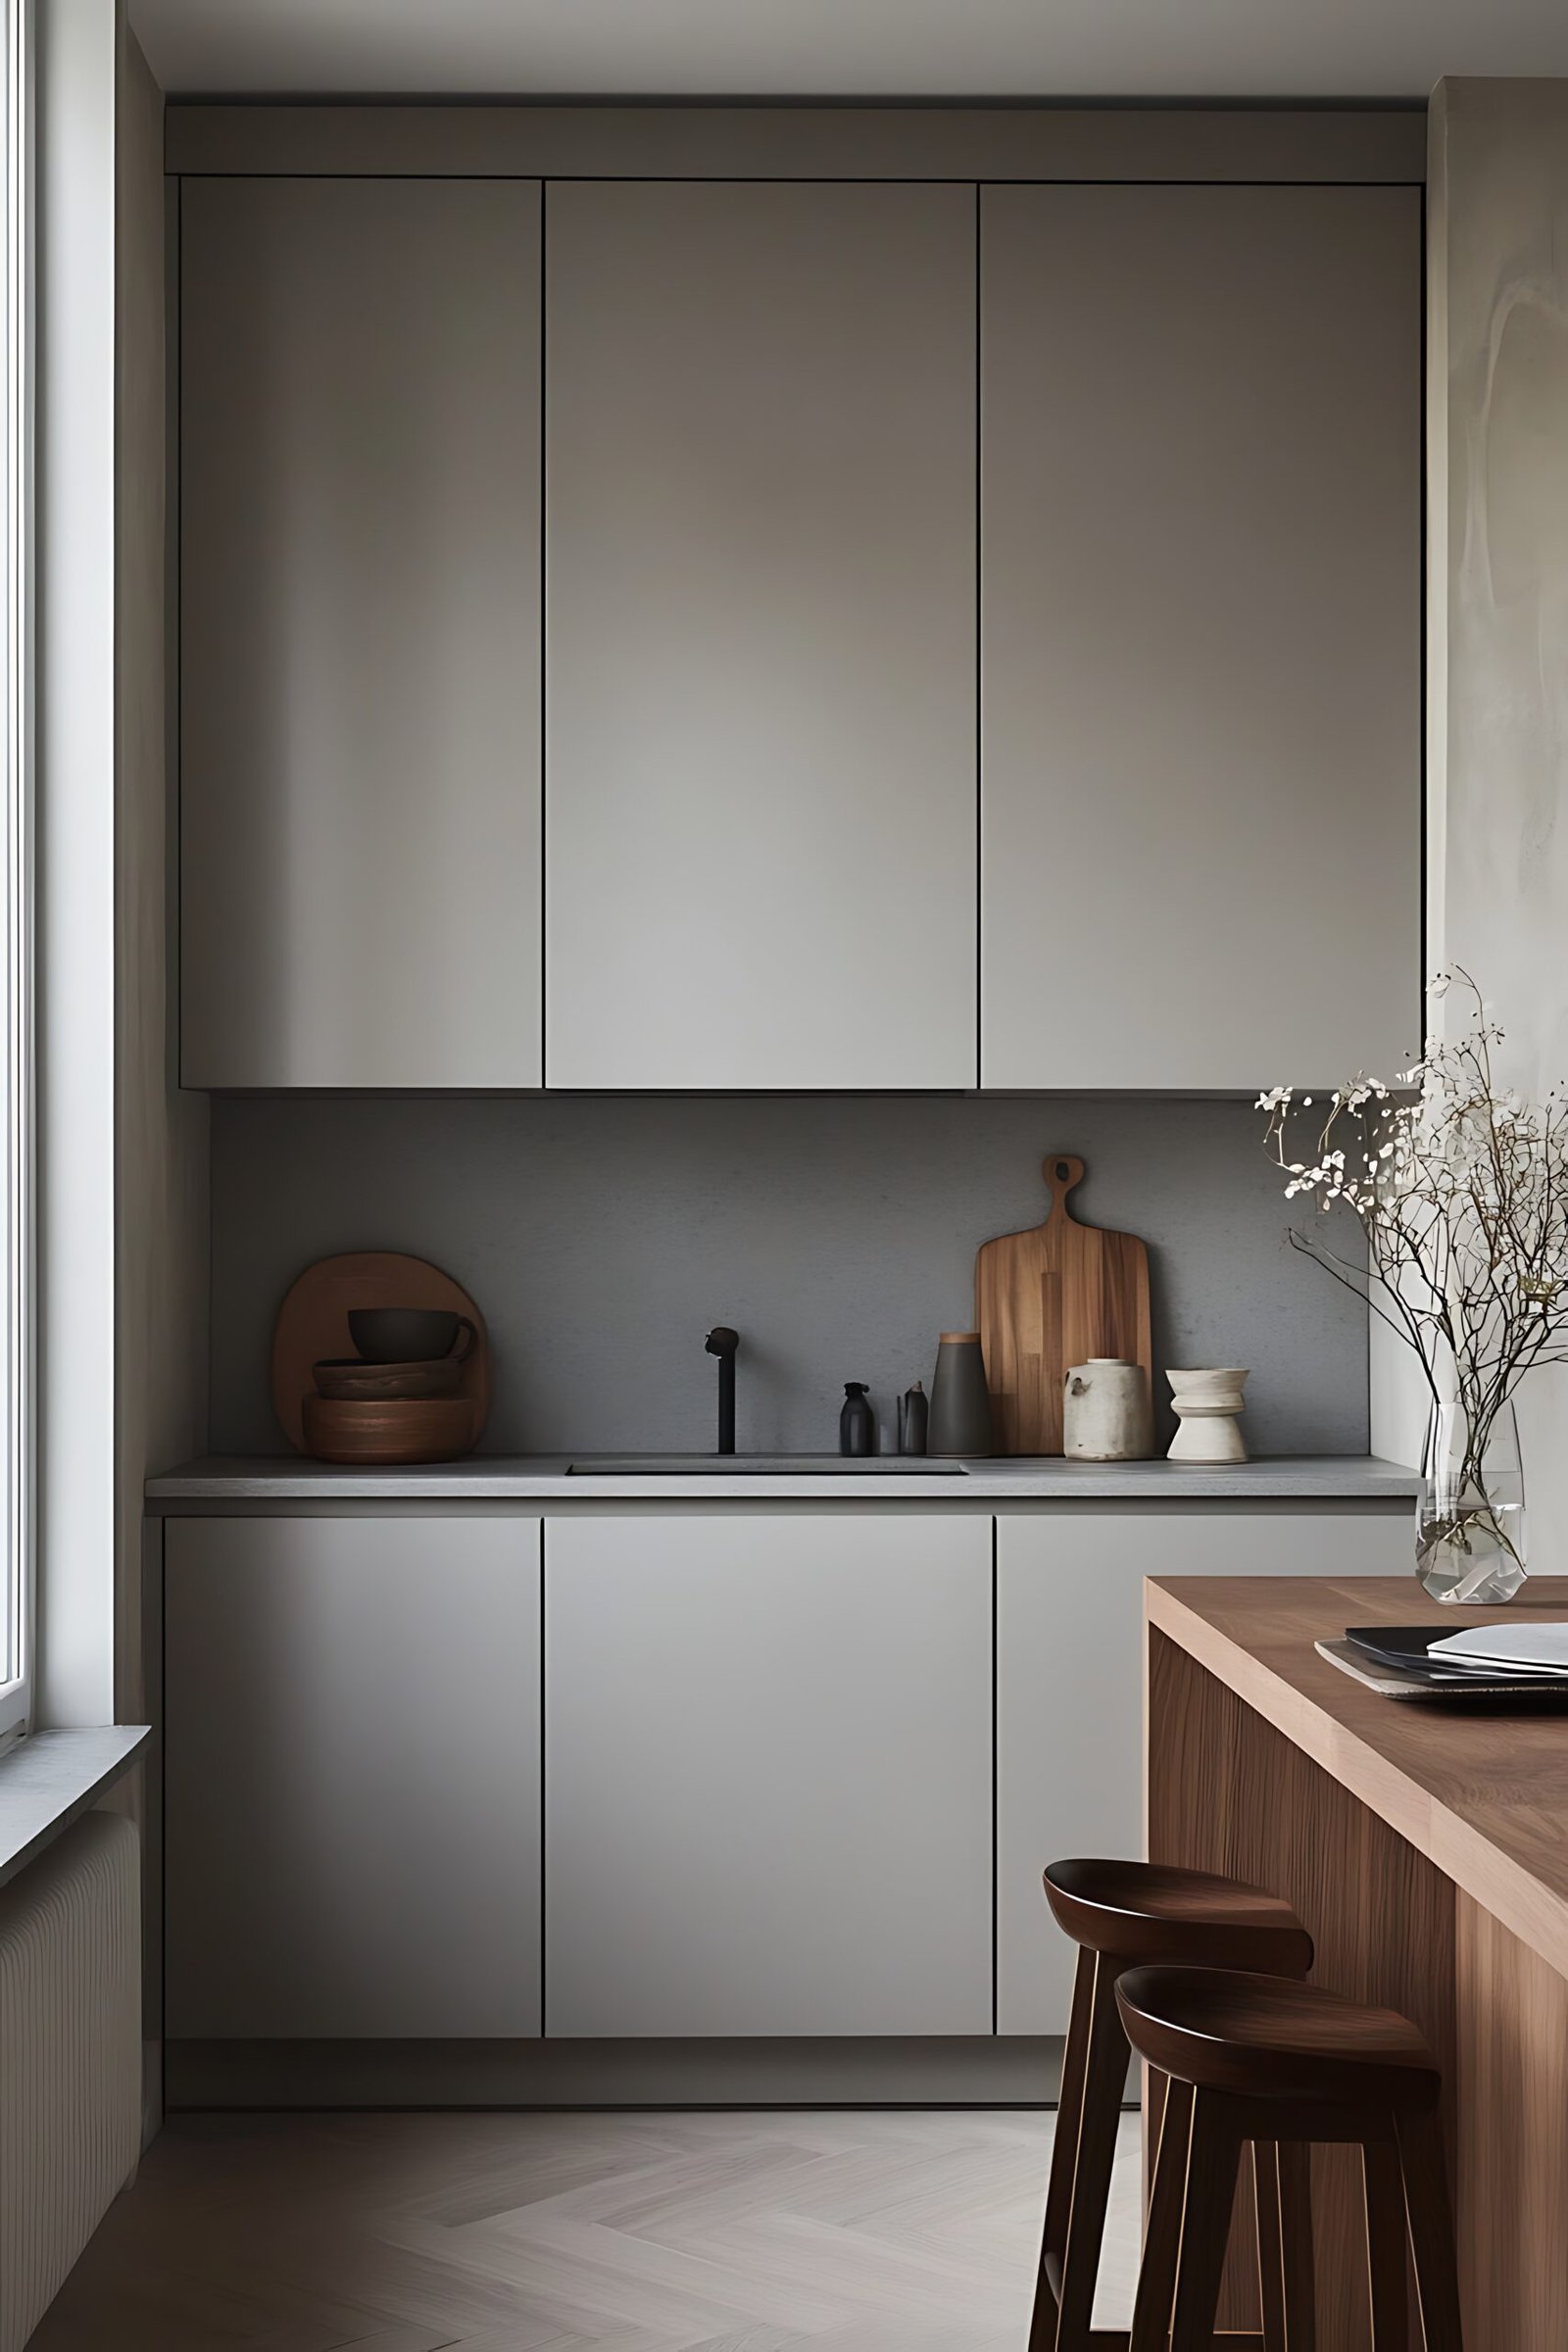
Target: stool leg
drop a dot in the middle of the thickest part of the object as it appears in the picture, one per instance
(1063, 2156)
(1105, 2058)
(1162, 2236)
(1280, 2179)
(1384, 2190)
(1213, 2155)
(1430, 2220)
(1296, 2239)
(1270, 2244)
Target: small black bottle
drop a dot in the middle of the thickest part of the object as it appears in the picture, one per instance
(857, 1422)
(913, 1415)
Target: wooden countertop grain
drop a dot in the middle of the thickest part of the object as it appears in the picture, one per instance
(1483, 1796)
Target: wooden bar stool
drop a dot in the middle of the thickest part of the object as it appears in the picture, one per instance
(1257, 2058)
(1120, 1915)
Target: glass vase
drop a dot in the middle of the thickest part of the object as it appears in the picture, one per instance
(1470, 1514)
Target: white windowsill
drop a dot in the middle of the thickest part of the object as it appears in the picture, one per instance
(48, 1781)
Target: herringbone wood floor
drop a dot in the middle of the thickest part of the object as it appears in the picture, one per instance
(668, 2232)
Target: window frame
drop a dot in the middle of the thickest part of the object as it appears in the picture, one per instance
(19, 1406)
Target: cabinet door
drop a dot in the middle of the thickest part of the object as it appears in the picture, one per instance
(1070, 1689)
(761, 596)
(352, 1726)
(360, 724)
(768, 1774)
(1201, 635)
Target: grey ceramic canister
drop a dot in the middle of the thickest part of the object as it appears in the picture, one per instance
(959, 1421)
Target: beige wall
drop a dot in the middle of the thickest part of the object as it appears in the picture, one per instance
(161, 1135)
(1498, 668)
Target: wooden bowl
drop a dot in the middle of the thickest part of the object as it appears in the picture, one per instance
(427, 1429)
(350, 1378)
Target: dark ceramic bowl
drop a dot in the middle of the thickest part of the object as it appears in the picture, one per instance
(408, 1334)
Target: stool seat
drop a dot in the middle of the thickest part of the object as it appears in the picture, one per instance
(1267, 2037)
(1144, 1912)
(1286, 2066)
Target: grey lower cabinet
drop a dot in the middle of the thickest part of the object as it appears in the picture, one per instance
(768, 1774)
(352, 1795)
(759, 559)
(1070, 1688)
(1201, 553)
(360, 620)
(797, 1771)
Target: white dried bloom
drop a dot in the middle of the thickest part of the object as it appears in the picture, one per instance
(1461, 1200)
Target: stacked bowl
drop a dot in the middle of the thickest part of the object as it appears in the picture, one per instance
(401, 1399)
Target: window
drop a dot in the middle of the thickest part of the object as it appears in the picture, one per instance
(15, 978)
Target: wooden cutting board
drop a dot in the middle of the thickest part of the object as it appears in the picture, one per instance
(1052, 1297)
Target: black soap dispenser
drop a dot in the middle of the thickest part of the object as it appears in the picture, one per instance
(913, 1415)
(857, 1422)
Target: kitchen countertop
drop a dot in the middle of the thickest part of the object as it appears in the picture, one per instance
(1481, 1795)
(543, 1478)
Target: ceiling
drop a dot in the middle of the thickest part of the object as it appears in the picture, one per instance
(888, 48)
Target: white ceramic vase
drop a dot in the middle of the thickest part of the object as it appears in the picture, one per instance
(1105, 1414)
(1206, 1407)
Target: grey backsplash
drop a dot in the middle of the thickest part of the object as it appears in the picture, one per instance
(602, 1236)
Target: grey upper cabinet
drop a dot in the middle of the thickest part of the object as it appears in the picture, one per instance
(352, 1793)
(360, 703)
(853, 767)
(1202, 634)
(760, 612)
(767, 1774)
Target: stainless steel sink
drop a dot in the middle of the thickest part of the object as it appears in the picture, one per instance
(761, 1465)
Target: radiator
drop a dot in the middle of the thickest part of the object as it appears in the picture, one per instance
(69, 2057)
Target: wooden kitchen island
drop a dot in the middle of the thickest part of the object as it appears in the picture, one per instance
(1427, 1850)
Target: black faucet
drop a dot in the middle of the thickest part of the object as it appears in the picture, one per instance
(722, 1342)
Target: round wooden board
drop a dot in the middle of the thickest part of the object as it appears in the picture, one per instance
(312, 1322)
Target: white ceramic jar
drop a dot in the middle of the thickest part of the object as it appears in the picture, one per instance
(1105, 1412)
(1207, 1405)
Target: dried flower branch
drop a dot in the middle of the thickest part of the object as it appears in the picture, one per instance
(1459, 1187)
